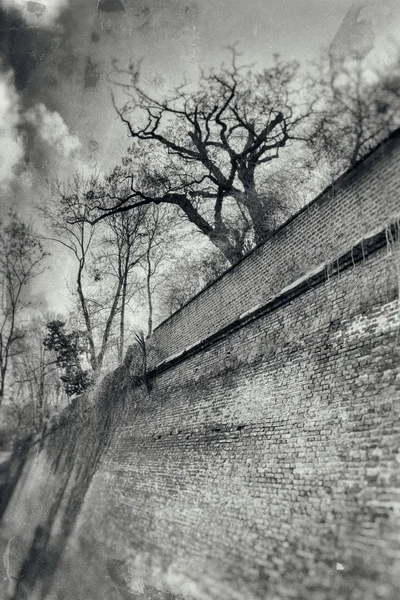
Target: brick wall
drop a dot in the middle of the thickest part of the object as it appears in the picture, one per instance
(363, 199)
(264, 464)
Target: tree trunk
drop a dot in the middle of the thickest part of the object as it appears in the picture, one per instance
(260, 217)
(106, 334)
(217, 236)
(225, 246)
(122, 319)
(3, 372)
(149, 296)
(86, 316)
(40, 402)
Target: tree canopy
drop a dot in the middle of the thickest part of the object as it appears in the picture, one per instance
(216, 150)
(21, 254)
(207, 150)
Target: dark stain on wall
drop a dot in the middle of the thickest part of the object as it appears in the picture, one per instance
(75, 448)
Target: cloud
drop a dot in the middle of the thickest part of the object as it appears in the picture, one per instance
(51, 131)
(11, 143)
(42, 14)
(65, 65)
(34, 142)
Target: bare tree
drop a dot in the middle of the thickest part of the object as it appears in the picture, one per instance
(358, 106)
(159, 231)
(122, 251)
(21, 254)
(37, 393)
(208, 151)
(153, 257)
(65, 214)
(104, 258)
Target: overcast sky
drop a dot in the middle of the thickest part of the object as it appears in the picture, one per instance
(55, 110)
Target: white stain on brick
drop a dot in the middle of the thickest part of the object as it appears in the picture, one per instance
(384, 321)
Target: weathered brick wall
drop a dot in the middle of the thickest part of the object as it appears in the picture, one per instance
(260, 467)
(263, 464)
(361, 200)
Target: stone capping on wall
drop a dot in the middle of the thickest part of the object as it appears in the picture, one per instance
(335, 184)
(368, 245)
